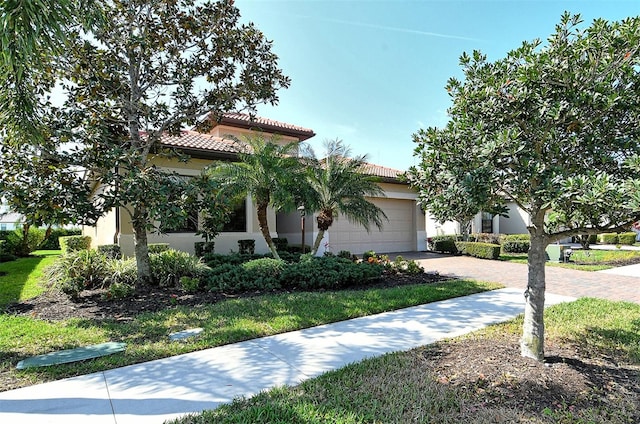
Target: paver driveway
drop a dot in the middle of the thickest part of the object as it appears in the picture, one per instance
(560, 281)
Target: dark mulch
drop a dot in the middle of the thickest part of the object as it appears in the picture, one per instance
(56, 306)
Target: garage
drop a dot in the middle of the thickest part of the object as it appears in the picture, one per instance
(397, 235)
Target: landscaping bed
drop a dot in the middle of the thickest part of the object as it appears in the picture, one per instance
(91, 304)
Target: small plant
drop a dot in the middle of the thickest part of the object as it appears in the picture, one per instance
(111, 251)
(167, 267)
(190, 284)
(368, 254)
(344, 254)
(204, 248)
(118, 291)
(247, 246)
(157, 247)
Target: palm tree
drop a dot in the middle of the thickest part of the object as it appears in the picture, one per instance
(268, 172)
(339, 186)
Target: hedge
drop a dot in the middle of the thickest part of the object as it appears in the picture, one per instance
(479, 250)
(515, 243)
(627, 238)
(444, 246)
(53, 243)
(608, 238)
(70, 244)
(157, 247)
(490, 238)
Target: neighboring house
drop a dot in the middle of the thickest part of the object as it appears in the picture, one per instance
(10, 221)
(403, 232)
(516, 223)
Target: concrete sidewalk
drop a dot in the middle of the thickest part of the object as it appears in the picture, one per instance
(154, 391)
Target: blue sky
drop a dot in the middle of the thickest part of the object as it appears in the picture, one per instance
(372, 72)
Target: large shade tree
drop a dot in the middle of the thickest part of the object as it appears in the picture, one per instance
(553, 127)
(268, 171)
(339, 186)
(151, 68)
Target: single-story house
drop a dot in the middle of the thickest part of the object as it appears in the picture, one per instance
(405, 230)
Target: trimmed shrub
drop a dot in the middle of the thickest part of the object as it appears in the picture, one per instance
(345, 254)
(281, 243)
(215, 260)
(157, 247)
(204, 248)
(490, 238)
(479, 250)
(247, 246)
(515, 243)
(627, 238)
(117, 291)
(328, 273)
(111, 251)
(608, 238)
(53, 243)
(168, 266)
(70, 244)
(444, 245)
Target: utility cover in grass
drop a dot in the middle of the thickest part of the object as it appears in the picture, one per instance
(185, 334)
(72, 355)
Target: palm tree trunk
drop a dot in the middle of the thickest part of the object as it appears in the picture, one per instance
(264, 228)
(316, 244)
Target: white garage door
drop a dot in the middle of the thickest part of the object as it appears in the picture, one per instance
(397, 235)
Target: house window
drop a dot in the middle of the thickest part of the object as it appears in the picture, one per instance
(238, 219)
(3, 227)
(487, 222)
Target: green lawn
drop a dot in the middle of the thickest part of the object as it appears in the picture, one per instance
(396, 388)
(21, 280)
(584, 260)
(224, 322)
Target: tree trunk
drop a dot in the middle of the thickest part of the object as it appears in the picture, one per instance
(316, 244)
(532, 342)
(264, 228)
(141, 248)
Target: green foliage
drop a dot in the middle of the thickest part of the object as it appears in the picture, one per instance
(490, 238)
(158, 247)
(111, 251)
(345, 254)
(608, 238)
(337, 184)
(369, 254)
(246, 247)
(53, 243)
(627, 238)
(515, 243)
(21, 243)
(118, 291)
(443, 244)
(479, 250)
(190, 284)
(168, 266)
(404, 266)
(78, 270)
(70, 244)
(121, 271)
(204, 248)
(281, 243)
(328, 273)
(269, 171)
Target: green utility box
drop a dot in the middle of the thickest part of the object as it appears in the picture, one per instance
(558, 252)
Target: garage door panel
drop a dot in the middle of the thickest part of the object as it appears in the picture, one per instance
(397, 234)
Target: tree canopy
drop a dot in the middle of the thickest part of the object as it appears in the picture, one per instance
(552, 127)
(147, 69)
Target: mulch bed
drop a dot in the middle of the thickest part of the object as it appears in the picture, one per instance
(57, 306)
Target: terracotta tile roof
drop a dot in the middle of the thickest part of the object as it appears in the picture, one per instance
(193, 140)
(244, 120)
(381, 171)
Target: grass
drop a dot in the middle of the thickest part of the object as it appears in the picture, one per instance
(22, 277)
(224, 322)
(584, 260)
(390, 389)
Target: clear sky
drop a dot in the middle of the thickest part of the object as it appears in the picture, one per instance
(372, 72)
